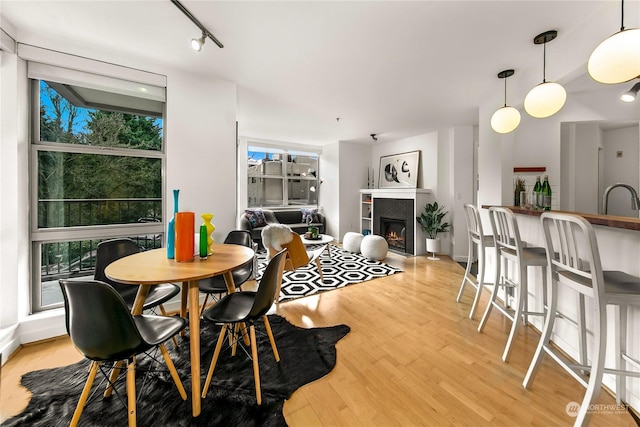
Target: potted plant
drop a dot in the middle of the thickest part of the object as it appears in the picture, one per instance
(432, 223)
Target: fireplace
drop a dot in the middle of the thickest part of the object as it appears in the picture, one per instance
(394, 220)
(394, 232)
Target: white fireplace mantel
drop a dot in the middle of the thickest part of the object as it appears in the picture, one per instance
(397, 193)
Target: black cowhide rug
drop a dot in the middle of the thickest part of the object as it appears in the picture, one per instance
(305, 356)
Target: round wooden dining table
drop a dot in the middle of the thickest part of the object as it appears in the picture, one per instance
(153, 267)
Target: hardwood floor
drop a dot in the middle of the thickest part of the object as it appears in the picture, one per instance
(412, 358)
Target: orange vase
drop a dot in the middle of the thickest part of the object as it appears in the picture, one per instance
(185, 228)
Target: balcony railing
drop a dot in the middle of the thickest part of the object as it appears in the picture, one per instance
(84, 212)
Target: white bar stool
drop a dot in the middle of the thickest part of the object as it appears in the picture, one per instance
(576, 264)
(477, 239)
(509, 247)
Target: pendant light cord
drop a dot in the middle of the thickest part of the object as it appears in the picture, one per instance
(505, 91)
(622, 17)
(544, 62)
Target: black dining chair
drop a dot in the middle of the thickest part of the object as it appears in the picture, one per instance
(103, 329)
(216, 285)
(247, 307)
(114, 249)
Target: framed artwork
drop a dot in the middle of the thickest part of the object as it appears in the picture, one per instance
(399, 170)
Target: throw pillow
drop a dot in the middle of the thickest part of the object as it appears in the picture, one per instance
(256, 217)
(309, 215)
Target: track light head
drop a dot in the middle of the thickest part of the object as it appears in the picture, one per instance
(632, 94)
(197, 43)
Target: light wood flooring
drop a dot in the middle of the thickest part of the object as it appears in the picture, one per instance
(412, 358)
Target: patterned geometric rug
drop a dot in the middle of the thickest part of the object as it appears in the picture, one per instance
(341, 269)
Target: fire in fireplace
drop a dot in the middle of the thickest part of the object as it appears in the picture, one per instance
(394, 231)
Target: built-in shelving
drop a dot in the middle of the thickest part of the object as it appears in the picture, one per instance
(366, 211)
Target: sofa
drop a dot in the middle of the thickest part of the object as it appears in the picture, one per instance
(292, 217)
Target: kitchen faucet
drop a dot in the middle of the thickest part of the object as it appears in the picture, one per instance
(635, 202)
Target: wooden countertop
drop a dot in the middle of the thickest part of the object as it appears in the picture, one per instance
(625, 222)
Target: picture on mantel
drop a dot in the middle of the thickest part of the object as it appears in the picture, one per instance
(399, 170)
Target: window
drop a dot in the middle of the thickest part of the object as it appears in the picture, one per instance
(279, 178)
(97, 163)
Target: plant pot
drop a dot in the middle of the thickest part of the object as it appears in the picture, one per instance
(433, 246)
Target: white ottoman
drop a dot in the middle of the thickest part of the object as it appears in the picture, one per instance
(351, 242)
(374, 247)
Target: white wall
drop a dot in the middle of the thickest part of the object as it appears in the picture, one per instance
(461, 178)
(14, 248)
(353, 163)
(330, 193)
(624, 169)
(201, 149)
(581, 144)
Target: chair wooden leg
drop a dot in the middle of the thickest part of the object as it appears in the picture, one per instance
(164, 313)
(319, 269)
(267, 326)
(233, 342)
(172, 371)
(204, 304)
(131, 391)
(216, 353)
(115, 371)
(93, 370)
(256, 367)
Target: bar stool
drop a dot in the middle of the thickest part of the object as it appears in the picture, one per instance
(477, 239)
(509, 247)
(576, 264)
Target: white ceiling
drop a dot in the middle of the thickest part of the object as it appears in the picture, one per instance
(392, 68)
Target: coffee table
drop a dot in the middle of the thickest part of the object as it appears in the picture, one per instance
(323, 239)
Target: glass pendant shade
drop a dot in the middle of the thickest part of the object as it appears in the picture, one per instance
(617, 59)
(545, 100)
(505, 120)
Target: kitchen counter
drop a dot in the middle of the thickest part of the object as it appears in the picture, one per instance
(625, 222)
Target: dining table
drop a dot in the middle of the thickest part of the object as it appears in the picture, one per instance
(152, 267)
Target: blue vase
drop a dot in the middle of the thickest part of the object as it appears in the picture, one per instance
(171, 228)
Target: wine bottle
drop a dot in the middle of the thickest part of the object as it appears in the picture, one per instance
(546, 193)
(537, 194)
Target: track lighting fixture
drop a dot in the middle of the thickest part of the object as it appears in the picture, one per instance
(632, 94)
(374, 136)
(197, 42)
(505, 119)
(547, 98)
(617, 59)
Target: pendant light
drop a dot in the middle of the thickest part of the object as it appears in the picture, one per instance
(547, 98)
(617, 59)
(505, 119)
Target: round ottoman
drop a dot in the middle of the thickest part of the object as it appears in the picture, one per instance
(351, 242)
(374, 247)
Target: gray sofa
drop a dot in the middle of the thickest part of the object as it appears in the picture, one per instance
(291, 217)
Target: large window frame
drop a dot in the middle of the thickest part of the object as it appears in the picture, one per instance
(286, 170)
(148, 233)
